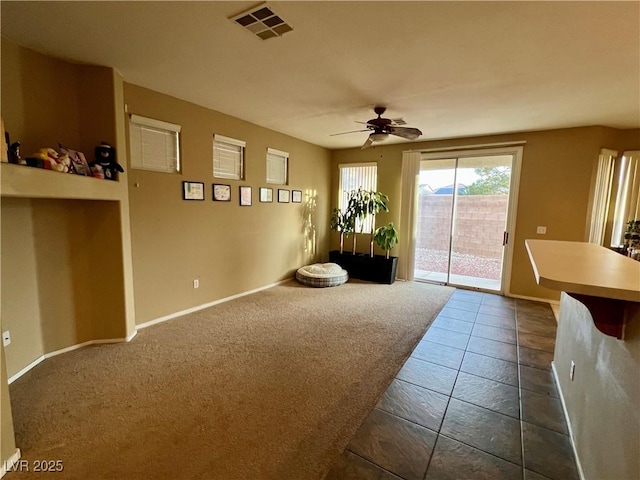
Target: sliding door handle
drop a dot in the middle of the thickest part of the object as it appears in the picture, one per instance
(505, 238)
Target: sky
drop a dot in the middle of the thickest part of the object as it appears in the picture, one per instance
(442, 178)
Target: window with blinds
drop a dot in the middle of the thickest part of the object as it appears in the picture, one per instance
(277, 162)
(352, 177)
(627, 204)
(601, 194)
(154, 145)
(228, 157)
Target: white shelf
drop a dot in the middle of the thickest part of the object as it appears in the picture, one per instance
(29, 182)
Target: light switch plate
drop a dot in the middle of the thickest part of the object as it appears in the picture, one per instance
(6, 338)
(541, 230)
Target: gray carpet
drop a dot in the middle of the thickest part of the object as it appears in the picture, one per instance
(270, 386)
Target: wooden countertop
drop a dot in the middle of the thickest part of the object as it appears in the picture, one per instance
(584, 268)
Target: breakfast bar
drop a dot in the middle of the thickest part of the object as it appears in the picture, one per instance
(604, 281)
(596, 362)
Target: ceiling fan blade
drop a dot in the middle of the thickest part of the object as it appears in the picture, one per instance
(344, 133)
(405, 132)
(368, 143)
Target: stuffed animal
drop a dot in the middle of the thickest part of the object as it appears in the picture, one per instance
(64, 163)
(49, 159)
(106, 158)
(14, 153)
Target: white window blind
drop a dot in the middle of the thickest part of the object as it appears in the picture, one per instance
(627, 206)
(154, 145)
(601, 195)
(352, 177)
(228, 157)
(277, 166)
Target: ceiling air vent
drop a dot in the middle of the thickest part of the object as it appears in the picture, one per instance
(263, 22)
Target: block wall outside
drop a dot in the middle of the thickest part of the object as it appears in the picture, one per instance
(480, 223)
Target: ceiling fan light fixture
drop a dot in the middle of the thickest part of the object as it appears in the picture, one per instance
(378, 137)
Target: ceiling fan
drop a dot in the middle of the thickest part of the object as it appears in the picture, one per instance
(381, 128)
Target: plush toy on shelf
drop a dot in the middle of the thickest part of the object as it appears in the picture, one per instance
(106, 159)
(64, 163)
(49, 159)
(78, 163)
(14, 154)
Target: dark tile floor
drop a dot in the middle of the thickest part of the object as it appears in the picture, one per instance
(476, 400)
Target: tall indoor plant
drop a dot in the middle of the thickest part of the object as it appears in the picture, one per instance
(632, 238)
(374, 268)
(357, 211)
(386, 238)
(361, 205)
(375, 202)
(343, 223)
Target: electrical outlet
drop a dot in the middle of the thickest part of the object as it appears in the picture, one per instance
(196, 283)
(572, 371)
(6, 338)
(541, 230)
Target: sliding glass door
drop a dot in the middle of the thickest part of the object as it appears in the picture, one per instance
(462, 219)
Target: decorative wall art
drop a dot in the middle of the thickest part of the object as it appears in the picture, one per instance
(283, 195)
(266, 195)
(221, 193)
(192, 191)
(296, 196)
(245, 196)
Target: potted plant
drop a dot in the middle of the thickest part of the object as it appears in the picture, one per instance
(375, 268)
(357, 211)
(375, 202)
(386, 238)
(342, 223)
(632, 238)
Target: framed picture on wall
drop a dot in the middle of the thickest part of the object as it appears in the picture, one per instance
(221, 193)
(266, 195)
(283, 195)
(296, 196)
(192, 191)
(245, 196)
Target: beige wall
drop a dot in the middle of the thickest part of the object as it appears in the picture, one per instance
(230, 249)
(603, 399)
(7, 437)
(59, 258)
(19, 302)
(555, 184)
(39, 101)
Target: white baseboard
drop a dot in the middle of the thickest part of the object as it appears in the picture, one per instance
(17, 375)
(207, 305)
(566, 417)
(10, 462)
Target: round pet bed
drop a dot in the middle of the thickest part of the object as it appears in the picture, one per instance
(322, 275)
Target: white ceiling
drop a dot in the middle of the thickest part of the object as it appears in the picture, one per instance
(449, 68)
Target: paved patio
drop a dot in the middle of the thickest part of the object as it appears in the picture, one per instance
(466, 269)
